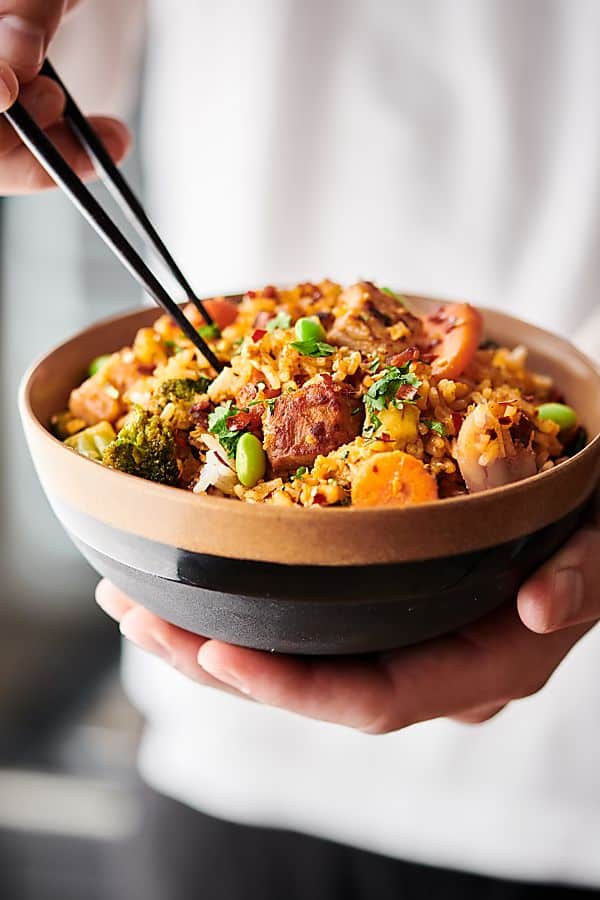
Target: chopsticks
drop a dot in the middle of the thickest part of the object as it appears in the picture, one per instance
(57, 167)
(119, 188)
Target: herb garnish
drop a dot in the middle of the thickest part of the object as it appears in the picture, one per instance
(209, 331)
(313, 348)
(391, 293)
(382, 393)
(374, 366)
(300, 471)
(281, 320)
(436, 426)
(217, 425)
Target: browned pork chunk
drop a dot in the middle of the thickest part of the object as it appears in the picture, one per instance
(313, 420)
(371, 320)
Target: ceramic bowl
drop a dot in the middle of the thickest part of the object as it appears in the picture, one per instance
(315, 581)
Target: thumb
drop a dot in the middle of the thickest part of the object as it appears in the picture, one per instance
(566, 590)
(9, 86)
(26, 28)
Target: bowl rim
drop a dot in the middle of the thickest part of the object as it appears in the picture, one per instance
(269, 512)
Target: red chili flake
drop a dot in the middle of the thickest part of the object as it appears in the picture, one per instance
(376, 469)
(270, 292)
(319, 499)
(239, 422)
(327, 378)
(456, 421)
(257, 334)
(411, 354)
(385, 438)
(271, 393)
(406, 392)
(251, 294)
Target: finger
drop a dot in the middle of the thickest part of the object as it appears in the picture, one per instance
(112, 601)
(479, 715)
(20, 173)
(566, 590)
(26, 29)
(9, 86)
(44, 101)
(177, 647)
(489, 663)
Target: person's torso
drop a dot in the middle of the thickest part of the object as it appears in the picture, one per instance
(439, 147)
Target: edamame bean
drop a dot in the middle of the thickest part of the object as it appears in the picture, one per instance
(98, 363)
(309, 330)
(564, 416)
(250, 460)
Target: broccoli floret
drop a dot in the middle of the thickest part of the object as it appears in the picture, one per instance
(146, 447)
(177, 389)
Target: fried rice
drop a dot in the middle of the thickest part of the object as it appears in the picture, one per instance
(334, 416)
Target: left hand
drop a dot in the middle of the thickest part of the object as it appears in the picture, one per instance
(469, 675)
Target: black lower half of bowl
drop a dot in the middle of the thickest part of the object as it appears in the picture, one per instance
(305, 609)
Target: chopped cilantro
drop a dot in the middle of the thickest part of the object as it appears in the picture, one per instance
(374, 366)
(217, 425)
(209, 331)
(436, 426)
(383, 392)
(268, 402)
(313, 348)
(300, 471)
(281, 320)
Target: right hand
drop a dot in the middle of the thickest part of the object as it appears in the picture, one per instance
(26, 28)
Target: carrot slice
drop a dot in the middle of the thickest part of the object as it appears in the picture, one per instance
(224, 312)
(457, 328)
(392, 479)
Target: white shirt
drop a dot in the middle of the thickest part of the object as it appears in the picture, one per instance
(438, 146)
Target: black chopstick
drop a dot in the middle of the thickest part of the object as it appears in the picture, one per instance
(119, 188)
(57, 167)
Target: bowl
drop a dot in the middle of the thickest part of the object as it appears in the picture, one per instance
(311, 581)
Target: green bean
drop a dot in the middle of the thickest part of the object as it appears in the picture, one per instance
(308, 329)
(564, 416)
(250, 460)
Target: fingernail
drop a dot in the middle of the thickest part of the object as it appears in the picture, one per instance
(150, 642)
(5, 92)
(568, 595)
(44, 102)
(21, 42)
(227, 676)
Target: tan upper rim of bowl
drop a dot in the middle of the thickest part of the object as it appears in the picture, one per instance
(313, 536)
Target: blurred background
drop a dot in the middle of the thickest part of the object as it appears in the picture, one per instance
(68, 737)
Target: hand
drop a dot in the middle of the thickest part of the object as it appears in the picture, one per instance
(26, 28)
(469, 676)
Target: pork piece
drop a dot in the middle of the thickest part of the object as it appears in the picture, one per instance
(313, 420)
(371, 320)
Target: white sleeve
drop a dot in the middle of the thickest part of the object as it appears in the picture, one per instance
(98, 53)
(587, 336)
